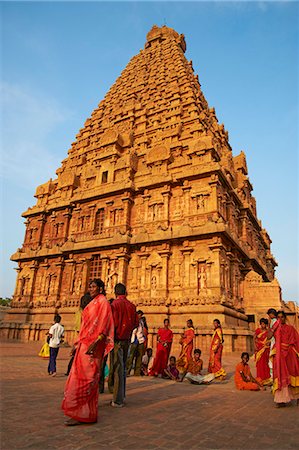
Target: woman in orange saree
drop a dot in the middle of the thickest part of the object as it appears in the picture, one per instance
(215, 365)
(95, 340)
(285, 362)
(186, 342)
(261, 354)
(165, 337)
(244, 381)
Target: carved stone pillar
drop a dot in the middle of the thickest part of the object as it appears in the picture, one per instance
(60, 266)
(122, 268)
(146, 198)
(164, 275)
(105, 268)
(187, 252)
(166, 197)
(42, 220)
(85, 273)
(127, 202)
(67, 215)
(143, 258)
(186, 190)
(34, 268)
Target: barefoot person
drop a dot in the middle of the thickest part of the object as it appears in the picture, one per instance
(285, 362)
(215, 364)
(55, 339)
(193, 371)
(186, 342)
(125, 320)
(171, 371)
(164, 338)
(244, 381)
(95, 340)
(262, 352)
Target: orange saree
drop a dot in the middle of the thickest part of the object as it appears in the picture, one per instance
(285, 363)
(82, 387)
(215, 365)
(242, 385)
(186, 350)
(261, 356)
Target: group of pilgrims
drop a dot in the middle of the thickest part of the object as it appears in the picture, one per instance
(116, 329)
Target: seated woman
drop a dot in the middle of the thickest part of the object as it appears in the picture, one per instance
(193, 371)
(171, 371)
(243, 379)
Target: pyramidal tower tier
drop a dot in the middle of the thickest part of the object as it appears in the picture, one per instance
(149, 195)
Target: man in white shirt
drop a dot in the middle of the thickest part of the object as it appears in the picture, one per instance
(55, 338)
(137, 346)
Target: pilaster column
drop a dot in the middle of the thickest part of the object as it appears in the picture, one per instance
(123, 260)
(187, 252)
(186, 192)
(42, 220)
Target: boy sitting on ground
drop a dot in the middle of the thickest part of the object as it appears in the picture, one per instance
(193, 372)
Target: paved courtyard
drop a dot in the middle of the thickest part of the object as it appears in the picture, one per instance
(159, 414)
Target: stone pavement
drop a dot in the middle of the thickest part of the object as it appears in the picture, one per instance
(160, 414)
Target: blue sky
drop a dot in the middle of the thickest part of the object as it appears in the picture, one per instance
(59, 60)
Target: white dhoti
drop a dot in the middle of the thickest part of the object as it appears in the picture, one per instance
(200, 379)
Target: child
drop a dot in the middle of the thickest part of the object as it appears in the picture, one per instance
(171, 371)
(193, 371)
(56, 337)
(147, 361)
(243, 379)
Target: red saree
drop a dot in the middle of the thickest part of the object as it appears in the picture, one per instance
(285, 363)
(215, 365)
(186, 350)
(261, 356)
(82, 387)
(165, 337)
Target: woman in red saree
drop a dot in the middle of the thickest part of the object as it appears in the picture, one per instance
(285, 362)
(215, 365)
(165, 336)
(95, 340)
(186, 342)
(261, 354)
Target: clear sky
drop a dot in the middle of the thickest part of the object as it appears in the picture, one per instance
(59, 60)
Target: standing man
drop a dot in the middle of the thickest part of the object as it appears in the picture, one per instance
(125, 320)
(137, 347)
(272, 313)
(55, 337)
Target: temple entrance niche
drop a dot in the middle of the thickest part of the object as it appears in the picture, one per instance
(153, 274)
(200, 277)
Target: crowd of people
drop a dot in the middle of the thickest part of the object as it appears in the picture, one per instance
(116, 329)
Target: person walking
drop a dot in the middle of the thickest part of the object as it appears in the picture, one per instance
(125, 320)
(55, 336)
(137, 347)
(81, 394)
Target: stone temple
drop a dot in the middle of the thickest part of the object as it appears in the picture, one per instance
(150, 195)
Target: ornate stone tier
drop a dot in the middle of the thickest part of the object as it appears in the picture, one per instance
(151, 195)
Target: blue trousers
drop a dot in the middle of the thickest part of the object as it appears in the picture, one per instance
(52, 362)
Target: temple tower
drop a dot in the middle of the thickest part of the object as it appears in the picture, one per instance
(149, 195)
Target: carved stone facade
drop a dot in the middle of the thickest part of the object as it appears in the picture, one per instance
(150, 195)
